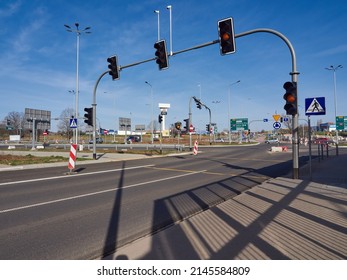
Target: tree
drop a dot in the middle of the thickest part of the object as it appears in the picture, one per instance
(16, 120)
(64, 122)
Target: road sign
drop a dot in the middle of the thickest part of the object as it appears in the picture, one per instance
(239, 124)
(191, 128)
(276, 117)
(73, 123)
(276, 125)
(341, 122)
(265, 120)
(315, 106)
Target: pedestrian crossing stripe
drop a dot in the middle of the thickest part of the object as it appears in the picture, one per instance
(315, 106)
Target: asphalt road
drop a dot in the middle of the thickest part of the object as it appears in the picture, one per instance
(46, 214)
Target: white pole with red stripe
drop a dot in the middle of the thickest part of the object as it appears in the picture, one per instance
(195, 149)
(72, 158)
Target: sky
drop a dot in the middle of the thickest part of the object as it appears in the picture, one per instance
(38, 58)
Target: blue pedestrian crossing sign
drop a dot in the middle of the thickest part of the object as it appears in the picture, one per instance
(315, 106)
(73, 123)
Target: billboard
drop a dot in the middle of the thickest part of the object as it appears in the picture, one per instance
(42, 118)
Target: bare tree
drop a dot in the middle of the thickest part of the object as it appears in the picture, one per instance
(16, 120)
(64, 123)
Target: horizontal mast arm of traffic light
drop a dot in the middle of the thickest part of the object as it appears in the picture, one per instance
(294, 72)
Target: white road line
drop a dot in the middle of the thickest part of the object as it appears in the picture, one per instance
(96, 193)
(74, 175)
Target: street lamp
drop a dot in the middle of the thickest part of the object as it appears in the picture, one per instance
(151, 110)
(170, 10)
(334, 69)
(229, 128)
(158, 13)
(78, 33)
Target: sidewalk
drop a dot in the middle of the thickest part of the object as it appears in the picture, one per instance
(279, 219)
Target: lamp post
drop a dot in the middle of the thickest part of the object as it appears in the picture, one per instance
(229, 128)
(170, 10)
(158, 13)
(78, 33)
(151, 110)
(334, 69)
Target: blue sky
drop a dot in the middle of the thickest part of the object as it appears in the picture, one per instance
(38, 58)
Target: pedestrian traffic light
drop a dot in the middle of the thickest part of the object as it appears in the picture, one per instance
(88, 117)
(161, 55)
(226, 36)
(160, 118)
(290, 97)
(113, 66)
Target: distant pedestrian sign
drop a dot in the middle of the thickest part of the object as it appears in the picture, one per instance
(315, 106)
(73, 123)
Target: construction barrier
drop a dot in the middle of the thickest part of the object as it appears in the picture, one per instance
(72, 158)
(195, 149)
(279, 149)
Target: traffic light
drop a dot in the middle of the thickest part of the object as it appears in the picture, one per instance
(113, 66)
(290, 97)
(226, 36)
(161, 55)
(178, 125)
(198, 102)
(208, 128)
(88, 116)
(160, 118)
(187, 126)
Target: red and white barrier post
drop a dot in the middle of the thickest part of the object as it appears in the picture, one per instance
(72, 158)
(195, 149)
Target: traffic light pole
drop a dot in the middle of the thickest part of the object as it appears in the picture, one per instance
(94, 112)
(294, 74)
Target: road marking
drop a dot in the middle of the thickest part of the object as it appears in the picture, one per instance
(212, 173)
(73, 176)
(95, 193)
(173, 169)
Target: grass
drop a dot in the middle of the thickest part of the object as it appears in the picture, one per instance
(15, 160)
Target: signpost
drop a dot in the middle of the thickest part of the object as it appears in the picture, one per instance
(341, 122)
(239, 124)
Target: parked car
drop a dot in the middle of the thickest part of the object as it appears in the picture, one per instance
(97, 141)
(133, 138)
(271, 141)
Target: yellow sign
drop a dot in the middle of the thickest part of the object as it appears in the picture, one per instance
(276, 117)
